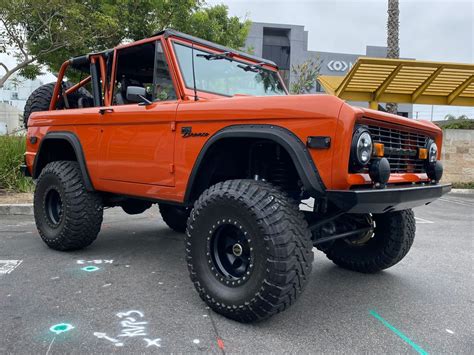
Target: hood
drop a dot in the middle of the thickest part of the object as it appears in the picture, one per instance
(263, 107)
(400, 120)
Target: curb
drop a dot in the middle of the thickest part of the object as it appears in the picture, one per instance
(16, 209)
(462, 191)
(26, 209)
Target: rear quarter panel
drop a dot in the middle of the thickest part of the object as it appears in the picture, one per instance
(82, 122)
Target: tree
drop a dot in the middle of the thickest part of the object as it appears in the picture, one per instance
(449, 117)
(393, 47)
(47, 32)
(306, 75)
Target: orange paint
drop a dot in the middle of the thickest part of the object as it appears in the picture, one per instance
(139, 149)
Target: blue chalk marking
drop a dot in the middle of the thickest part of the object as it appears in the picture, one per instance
(90, 268)
(61, 328)
(406, 339)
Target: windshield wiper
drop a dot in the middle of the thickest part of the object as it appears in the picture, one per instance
(256, 68)
(225, 55)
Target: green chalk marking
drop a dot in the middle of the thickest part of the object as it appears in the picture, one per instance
(406, 339)
(90, 268)
(61, 328)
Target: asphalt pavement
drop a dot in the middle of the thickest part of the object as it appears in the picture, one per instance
(130, 292)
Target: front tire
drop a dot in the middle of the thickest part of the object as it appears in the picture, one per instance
(68, 217)
(249, 249)
(392, 239)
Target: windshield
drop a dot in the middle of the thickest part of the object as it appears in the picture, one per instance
(220, 75)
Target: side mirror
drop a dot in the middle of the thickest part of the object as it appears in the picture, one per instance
(137, 94)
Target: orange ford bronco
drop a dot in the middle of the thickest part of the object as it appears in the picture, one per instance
(212, 136)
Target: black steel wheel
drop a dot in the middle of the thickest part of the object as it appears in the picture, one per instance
(248, 248)
(230, 252)
(53, 206)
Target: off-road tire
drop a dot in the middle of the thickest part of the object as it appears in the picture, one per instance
(81, 218)
(282, 249)
(40, 99)
(393, 238)
(175, 217)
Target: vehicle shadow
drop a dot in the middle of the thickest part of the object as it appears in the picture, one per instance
(331, 299)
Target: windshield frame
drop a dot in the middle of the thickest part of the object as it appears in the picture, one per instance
(235, 58)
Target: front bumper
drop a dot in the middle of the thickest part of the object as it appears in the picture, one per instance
(386, 200)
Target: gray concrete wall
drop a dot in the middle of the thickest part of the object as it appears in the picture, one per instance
(458, 155)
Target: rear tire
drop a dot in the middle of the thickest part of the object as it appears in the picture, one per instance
(249, 249)
(175, 217)
(393, 237)
(68, 217)
(40, 99)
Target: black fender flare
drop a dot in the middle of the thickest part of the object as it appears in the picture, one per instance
(297, 150)
(73, 140)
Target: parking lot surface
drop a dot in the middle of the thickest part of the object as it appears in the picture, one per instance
(130, 292)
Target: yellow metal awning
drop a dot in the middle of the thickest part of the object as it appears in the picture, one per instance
(404, 81)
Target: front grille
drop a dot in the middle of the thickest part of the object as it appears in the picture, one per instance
(401, 148)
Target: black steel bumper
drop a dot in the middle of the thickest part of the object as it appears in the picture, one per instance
(386, 200)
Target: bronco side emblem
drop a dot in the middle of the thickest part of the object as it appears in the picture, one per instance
(186, 132)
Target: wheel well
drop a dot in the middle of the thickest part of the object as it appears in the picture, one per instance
(247, 158)
(53, 150)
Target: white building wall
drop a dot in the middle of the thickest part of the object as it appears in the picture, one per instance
(10, 119)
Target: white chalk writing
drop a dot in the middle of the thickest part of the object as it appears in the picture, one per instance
(155, 342)
(97, 261)
(104, 336)
(7, 266)
(133, 325)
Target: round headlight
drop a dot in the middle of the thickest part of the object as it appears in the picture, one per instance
(432, 152)
(361, 147)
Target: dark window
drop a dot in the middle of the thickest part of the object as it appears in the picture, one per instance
(276, 47)
(136, 66)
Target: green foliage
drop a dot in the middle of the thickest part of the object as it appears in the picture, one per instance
(463, 185)
(31, 71)
(12, 149)
(459, 124)
(51, 31)
(450, 117)
(214, 24)
(306, 75)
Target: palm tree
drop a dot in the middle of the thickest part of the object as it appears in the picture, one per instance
(393, 48)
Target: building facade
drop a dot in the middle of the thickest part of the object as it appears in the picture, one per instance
(13, 96)
(287, 45)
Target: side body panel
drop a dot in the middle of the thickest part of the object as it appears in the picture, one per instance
(137, 144)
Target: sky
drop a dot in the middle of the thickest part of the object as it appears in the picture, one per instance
(437, 30)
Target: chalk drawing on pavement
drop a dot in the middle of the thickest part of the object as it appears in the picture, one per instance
(7, 266)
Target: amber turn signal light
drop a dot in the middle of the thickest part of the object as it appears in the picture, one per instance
(378, 149)
(422, 153)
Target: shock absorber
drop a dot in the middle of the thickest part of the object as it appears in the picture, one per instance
(279, 172)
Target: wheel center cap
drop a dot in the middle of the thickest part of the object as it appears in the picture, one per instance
(237, 249)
